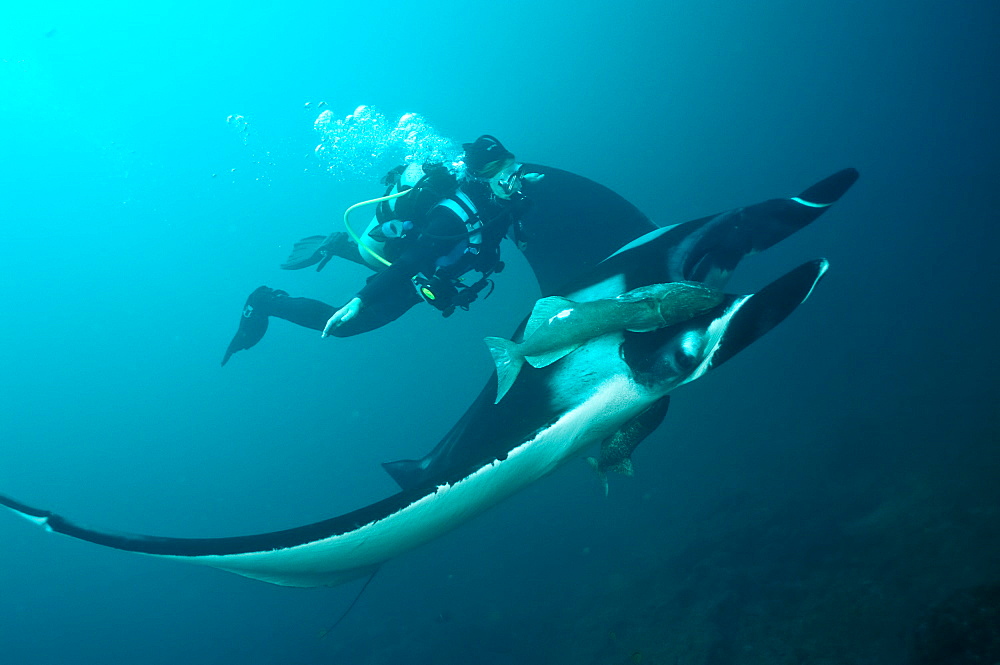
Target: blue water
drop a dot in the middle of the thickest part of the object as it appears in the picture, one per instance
(806, 503)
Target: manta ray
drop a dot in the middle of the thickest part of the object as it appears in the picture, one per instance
(586, 244)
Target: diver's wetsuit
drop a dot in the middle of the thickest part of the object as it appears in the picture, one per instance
(446, 247)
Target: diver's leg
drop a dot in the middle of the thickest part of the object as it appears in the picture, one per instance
(265, 302)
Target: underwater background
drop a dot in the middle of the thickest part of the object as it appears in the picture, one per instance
(830, 496)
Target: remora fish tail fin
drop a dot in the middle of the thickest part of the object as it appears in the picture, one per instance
(768, 307)
(508, 361)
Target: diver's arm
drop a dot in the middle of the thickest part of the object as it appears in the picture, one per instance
(382, 287)
(387, 286)
(343, 315)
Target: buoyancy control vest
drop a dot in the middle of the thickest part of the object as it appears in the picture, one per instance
(403, 220)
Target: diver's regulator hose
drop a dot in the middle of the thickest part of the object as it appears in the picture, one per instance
(355, 237)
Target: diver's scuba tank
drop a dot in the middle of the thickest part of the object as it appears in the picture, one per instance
(383, 226)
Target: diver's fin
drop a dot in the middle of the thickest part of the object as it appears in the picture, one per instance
(253, 322)
(304, 253)
(546, 359)
(544, 310)
(508, 361)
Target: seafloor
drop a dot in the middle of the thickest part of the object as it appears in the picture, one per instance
(888, 560)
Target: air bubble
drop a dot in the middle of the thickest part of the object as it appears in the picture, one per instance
(366, 143)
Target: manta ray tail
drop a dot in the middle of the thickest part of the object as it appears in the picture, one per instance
(509, 362)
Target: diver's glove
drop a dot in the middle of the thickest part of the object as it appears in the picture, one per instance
(342, 316)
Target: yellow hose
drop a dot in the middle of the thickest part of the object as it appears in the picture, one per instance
(354, 236)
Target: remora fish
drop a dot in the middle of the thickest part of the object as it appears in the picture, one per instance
(558, 326)
(616, 451)
(552, 415)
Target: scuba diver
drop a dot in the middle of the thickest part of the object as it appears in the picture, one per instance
(433, 227)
